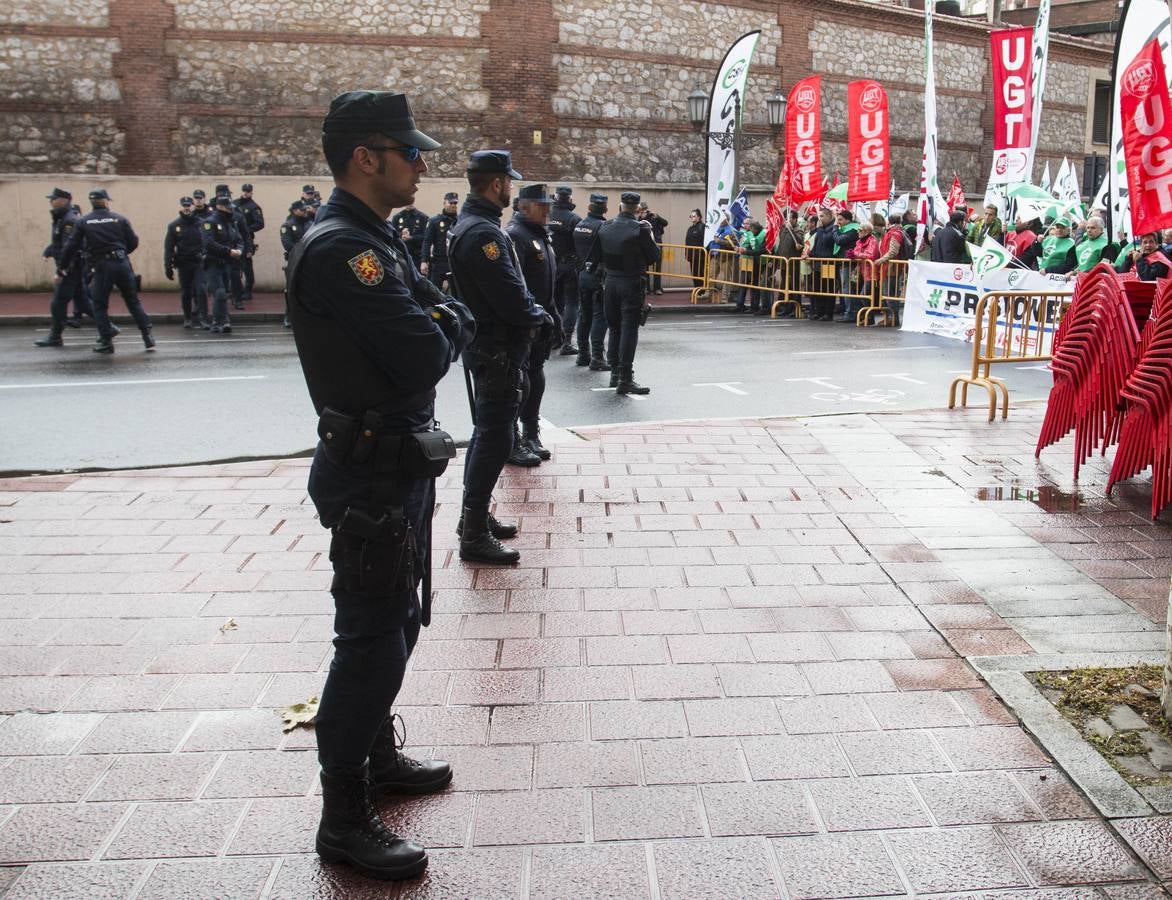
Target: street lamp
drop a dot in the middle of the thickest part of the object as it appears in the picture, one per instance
(733, 137)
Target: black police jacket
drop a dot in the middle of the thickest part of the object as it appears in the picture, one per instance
(99, 232)
(539, 262)
(254, 216)
(204, 212)
(183, 244)
(562, 222)
(242, 229)
(584, 234)
(364, 339)
(435, 239)
(416, 223)
(292, 232)
(625, 246)
(64, 222)
(658, 225)
(488, 277)
(221, 237)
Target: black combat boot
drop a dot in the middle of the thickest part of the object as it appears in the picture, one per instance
(615, 375)
(627, 383)
(392, 772)
(352, 832)
(568, 348)
(532, 438)
(52, 339)
(583, 357)
(498, 530)
(104, 345)
(597, 363)
(148, 341)
(522, 455)
(477, 543)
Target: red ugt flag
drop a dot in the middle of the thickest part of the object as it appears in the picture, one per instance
(956, 198)
(1147, 140)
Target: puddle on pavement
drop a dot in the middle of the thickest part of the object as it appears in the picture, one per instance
(1048, 497)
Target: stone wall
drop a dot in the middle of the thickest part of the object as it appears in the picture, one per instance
(583, 89)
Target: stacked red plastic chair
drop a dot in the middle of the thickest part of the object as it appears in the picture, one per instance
(1095, 350)
(1146, 436)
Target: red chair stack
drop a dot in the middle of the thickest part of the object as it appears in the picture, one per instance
(1095, 350)
(1146, 436)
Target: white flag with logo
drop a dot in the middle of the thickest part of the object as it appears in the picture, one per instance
(1047, 183)
(1067, 190)
(727, 89)
(988, 257)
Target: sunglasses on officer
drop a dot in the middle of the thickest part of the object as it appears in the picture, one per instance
(409, 153)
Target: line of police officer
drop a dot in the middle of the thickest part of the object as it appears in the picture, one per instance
(374, 338)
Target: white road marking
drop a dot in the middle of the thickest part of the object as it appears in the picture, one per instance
(209, 340)
(821, 382)
(868, 350)
(900, 376)
(76, 384)
(724, 386)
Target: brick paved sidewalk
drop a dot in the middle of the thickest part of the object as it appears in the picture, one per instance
(730, 664)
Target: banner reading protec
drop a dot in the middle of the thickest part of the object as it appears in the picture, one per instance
(1012, 54)
(870, 155)
(803, 140)
(728, 89)
(1147, 140)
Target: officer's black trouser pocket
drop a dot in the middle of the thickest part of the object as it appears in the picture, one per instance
(374, 566)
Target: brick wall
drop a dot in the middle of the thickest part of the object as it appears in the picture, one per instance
(173, 87)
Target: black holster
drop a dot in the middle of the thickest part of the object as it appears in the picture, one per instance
(372, 556)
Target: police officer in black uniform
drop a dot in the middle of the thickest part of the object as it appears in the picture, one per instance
(374, 338)
(71, 285)
(562, 222)
(591, 313)
(626, 247)
(254, 218)
(411, 225)
(222, 245)
(236, 264)
(202, 210)
(183, 251)
(292, 231)
(435, 243)
(539, 268)
(107, 239)
(487, 276)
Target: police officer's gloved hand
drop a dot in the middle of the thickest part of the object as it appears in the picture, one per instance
(446, 317)
(547, 324)
(428, 294)
(170, 273)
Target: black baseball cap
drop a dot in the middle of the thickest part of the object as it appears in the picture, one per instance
(599, 198)
(59, 193)
(99, 194)
(493, 162)
(186, 201)
(564, 190)
(307, 188)
(296, 204)
(537, 193)
(223, 189)
(381, 112)
(451, 197)
(246, 187)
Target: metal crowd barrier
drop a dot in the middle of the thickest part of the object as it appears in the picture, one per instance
(815, 277)
(890, 288)
(1024, 335)
(678, 262)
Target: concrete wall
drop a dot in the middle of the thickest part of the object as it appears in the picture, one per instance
(150, 203)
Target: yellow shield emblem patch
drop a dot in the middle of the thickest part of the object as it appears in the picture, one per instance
(367, 267)
(492, 251)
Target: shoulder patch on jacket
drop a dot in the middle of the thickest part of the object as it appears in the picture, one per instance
(207, 225)
(492, 250)
(366, 267)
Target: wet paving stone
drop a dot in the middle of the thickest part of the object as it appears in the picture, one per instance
(837, 865)
(961, 859)
(1070, 853)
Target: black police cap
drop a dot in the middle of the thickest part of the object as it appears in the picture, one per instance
(493, 162)
(599, 198)
(451, 197)
(564, 190)
(630, 197)
(198, 194)
(223, 189)
(58, 193)
(223, 200)
(246, 188)
(379, 112)
(536, 193)
(186, 201)
(99, 194)
(307, 188)
(296, 204)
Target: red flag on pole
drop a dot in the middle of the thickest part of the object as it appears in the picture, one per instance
(869, 147)
(956, 197)
(803, 139)
(1146, 112)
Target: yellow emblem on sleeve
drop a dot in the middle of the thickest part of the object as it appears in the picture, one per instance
(492, 251)
(367, 267)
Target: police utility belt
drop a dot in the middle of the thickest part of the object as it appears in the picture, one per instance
(357, 441)
(108, 254)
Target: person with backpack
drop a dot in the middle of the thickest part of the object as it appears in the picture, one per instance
(895, 245)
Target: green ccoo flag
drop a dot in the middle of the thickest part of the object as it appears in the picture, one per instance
(989, 257)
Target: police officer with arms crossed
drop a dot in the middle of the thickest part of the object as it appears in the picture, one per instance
(591, 314)
(625, 247)
(107, 239)
(539, 267)
(487, 277)
(223, 246)
(374, 339)
(183, 250)
(435, 242)
(69, 286)
(562, 222)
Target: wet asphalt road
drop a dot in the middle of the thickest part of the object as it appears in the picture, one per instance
(201, 397)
